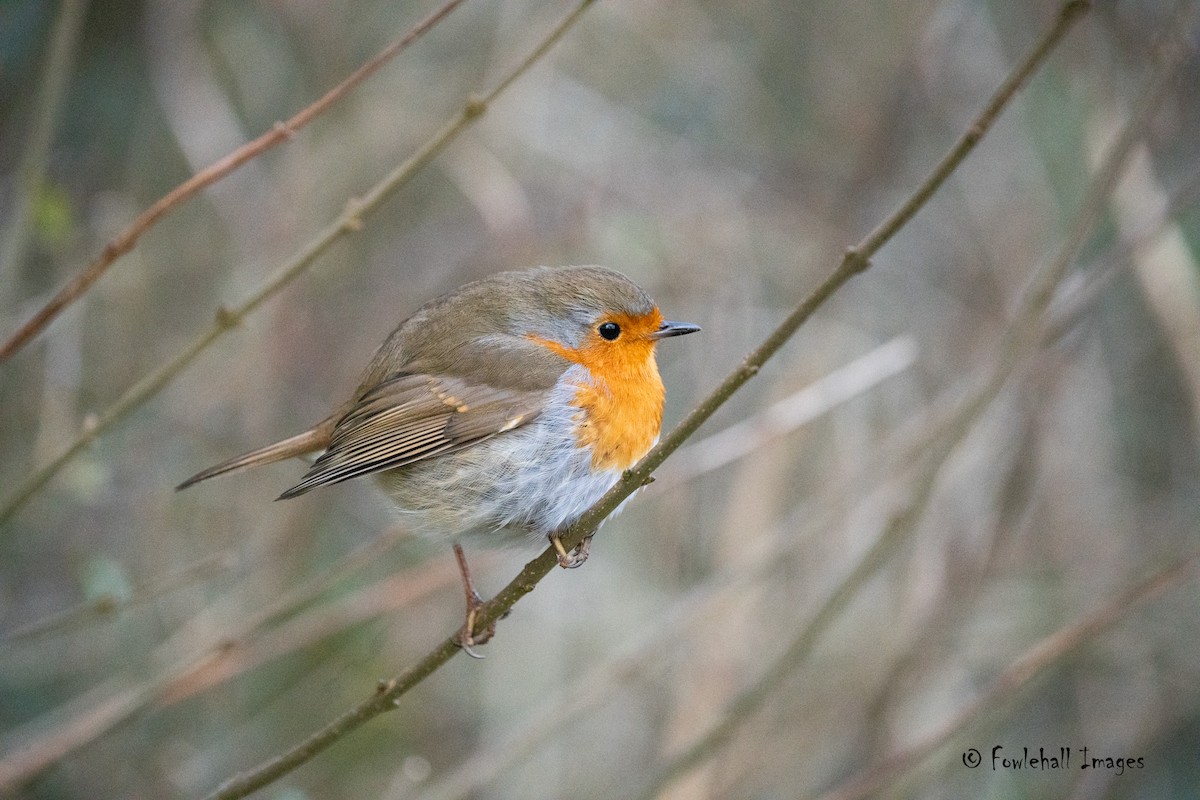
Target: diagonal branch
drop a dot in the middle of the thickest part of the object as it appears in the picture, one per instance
(856, 260)
(350, 221)
(1021, 337)
(128, 238)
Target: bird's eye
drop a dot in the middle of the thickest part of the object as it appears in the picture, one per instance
(609, 331)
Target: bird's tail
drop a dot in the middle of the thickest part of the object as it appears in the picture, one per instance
(316, 438)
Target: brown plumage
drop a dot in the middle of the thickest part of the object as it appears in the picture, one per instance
(513, 403)
(465, 367)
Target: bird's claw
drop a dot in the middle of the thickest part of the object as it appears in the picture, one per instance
(574, 558)
(468, 637)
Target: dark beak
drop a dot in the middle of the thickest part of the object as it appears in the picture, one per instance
(674, 329)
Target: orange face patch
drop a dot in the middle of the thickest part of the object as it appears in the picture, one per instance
(622, 405)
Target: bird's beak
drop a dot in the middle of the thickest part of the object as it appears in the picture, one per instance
(674, 329)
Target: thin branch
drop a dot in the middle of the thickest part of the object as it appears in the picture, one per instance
(856, 260)
(1067, 16)
(1033, 662)
(386, 696)
(280, 132)
(350, 221)
(47, 103)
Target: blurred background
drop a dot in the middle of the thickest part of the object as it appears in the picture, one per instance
(723, 155)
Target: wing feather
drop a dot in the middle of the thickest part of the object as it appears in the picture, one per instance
(412, 417)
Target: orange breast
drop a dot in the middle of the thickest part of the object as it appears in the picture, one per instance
(620, 409)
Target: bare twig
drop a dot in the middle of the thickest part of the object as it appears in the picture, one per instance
(350, 221)
(280, 132)
(856, 260)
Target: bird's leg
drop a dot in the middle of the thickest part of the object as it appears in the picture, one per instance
(576, 557)
(467, 637)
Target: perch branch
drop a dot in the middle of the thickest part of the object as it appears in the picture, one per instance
(855, 260)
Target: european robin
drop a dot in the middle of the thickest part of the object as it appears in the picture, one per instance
(510, 404)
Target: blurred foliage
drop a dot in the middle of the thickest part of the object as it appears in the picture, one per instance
(723, 155)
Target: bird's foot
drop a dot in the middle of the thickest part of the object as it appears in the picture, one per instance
(576, 557)
(468, 637)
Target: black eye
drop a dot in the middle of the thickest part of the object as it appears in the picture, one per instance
(609, 331)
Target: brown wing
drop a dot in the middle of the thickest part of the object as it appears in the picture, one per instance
(413, 417)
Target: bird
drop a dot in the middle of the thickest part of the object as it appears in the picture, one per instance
(506, 407)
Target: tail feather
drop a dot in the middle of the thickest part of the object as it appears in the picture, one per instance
(313, 439)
